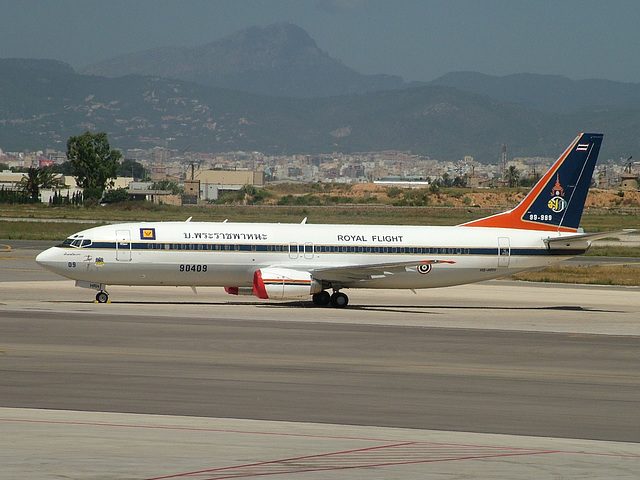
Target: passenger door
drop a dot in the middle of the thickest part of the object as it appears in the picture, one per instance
(123, 245)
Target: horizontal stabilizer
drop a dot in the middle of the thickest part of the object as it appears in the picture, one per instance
(582, 241)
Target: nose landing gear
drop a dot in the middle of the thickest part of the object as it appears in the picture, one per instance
(102, 297)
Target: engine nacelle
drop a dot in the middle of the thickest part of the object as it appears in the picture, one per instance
(284, 283)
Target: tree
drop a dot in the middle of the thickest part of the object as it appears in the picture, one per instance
(168, 185)
(95, 165)
(37, 178)
(460, 181)
(512, 176)
(131, 168)
(531, 180)
(118, 195)
(446, 180)
(64, 168)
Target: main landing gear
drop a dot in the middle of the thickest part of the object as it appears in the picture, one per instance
(337, 300)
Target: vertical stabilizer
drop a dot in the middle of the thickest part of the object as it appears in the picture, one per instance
(556, 202)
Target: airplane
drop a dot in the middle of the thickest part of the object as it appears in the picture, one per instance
(298, 261)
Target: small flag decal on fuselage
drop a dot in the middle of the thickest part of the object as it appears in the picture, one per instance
(147, 234)
(582, 147)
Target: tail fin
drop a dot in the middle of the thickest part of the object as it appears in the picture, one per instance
(556, 202)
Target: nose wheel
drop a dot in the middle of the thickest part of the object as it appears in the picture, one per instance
(102, 297)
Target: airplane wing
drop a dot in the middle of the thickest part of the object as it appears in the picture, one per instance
(358, 273)
(580, 241)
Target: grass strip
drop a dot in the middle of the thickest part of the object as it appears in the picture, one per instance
(590, 275)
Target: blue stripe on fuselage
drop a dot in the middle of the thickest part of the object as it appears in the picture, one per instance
(322, 249)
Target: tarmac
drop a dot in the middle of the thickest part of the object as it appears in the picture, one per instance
(36, 309)
(51, 444)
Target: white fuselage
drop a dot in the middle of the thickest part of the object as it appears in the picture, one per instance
(228, 254)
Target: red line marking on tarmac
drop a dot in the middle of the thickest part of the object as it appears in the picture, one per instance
(262, 468)
(256, 432)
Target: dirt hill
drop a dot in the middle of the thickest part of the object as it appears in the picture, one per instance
(486, 198)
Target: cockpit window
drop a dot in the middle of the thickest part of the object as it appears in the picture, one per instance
(76, 242)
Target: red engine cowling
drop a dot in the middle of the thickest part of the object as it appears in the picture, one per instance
(284, 283)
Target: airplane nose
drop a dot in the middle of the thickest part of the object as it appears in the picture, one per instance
(48, 259)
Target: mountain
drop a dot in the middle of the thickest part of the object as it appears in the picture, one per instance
(548, 93)
(276, 60)
(283, 60)
(43, 103)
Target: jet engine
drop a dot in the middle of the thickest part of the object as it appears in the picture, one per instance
(284, 283)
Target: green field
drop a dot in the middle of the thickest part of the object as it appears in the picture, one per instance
(39, 226)
(593, 275)
(593, 220)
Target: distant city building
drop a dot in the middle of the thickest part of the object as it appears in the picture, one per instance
(213, 182)
(629, 179)
(214, 173)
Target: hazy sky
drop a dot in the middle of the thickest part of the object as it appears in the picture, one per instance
(416, 39)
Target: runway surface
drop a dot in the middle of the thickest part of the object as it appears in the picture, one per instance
(495, 380)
